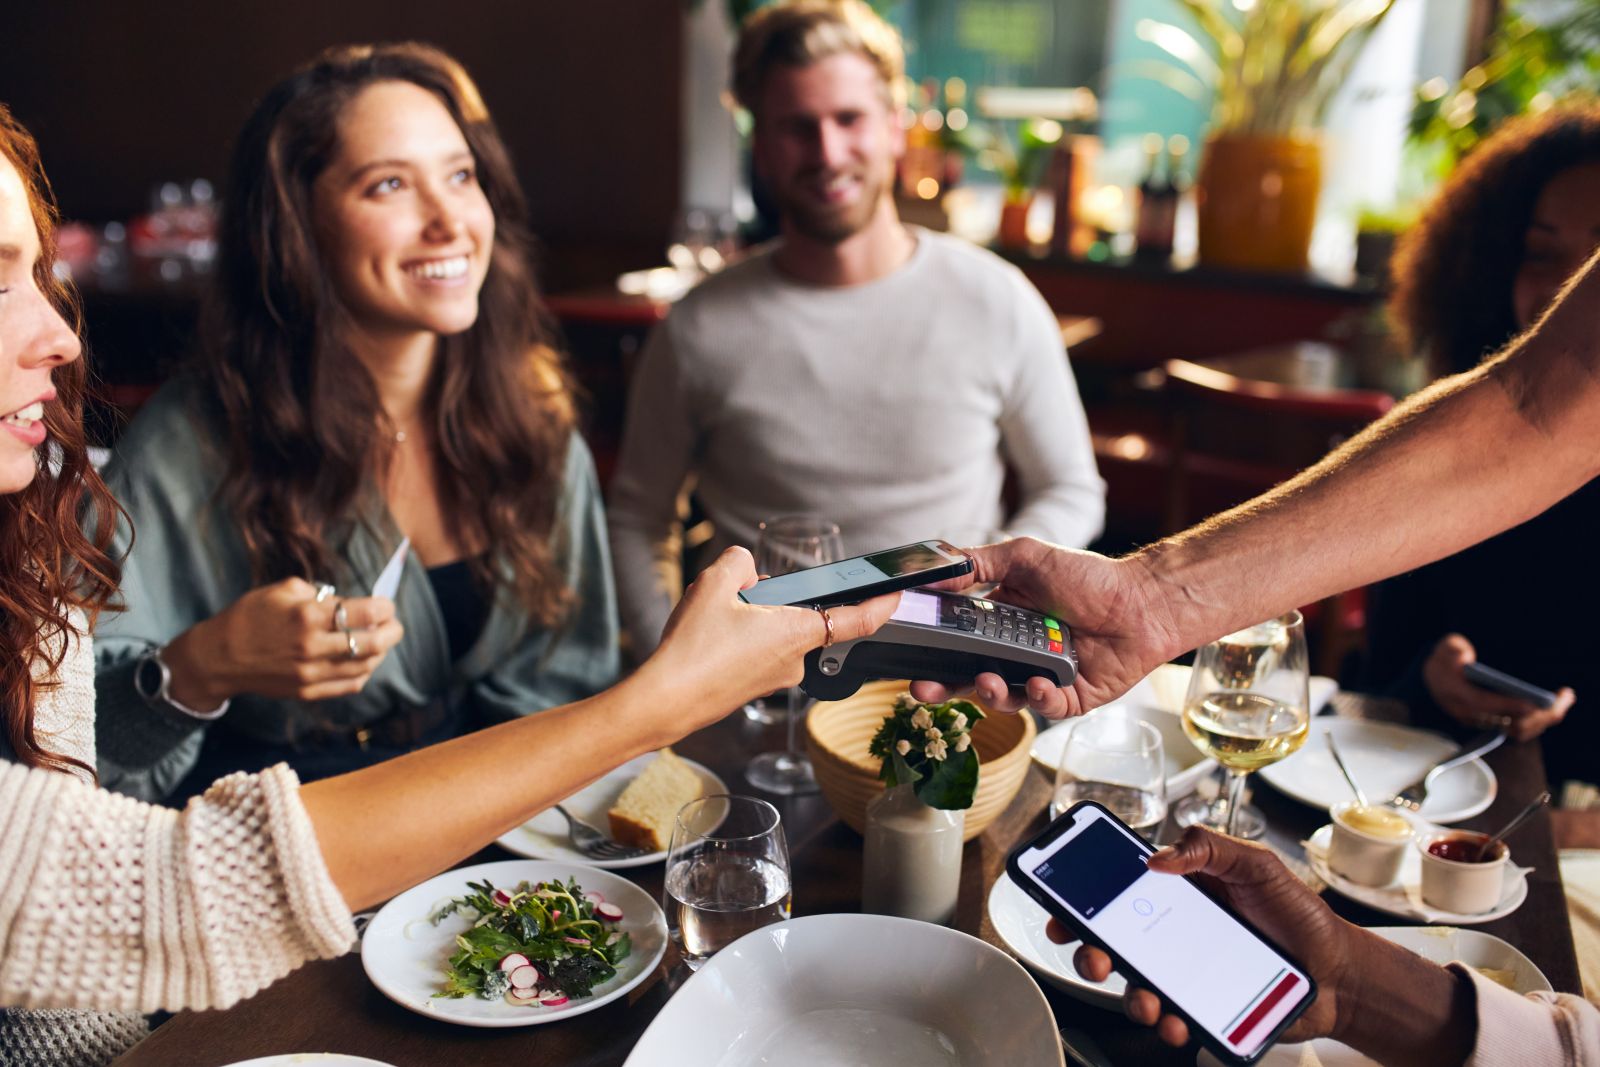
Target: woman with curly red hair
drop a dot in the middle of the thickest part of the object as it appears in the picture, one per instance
(1510, 226)
(111, 904)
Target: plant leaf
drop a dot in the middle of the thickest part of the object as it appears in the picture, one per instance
(951, 783)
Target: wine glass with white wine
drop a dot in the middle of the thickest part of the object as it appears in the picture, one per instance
(1249, 704)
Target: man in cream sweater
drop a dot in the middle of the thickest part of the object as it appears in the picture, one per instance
(879, 375)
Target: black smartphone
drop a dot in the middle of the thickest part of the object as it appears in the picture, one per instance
(851, 581)
(1504, 684)
(1236, 989)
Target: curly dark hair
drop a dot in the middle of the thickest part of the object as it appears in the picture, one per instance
(49, 565)
(1455, 269)
(305, 429)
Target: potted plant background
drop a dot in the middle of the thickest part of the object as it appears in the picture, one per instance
(1272, 67)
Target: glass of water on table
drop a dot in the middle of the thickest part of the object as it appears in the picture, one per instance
(1116, 761)
(727, 874)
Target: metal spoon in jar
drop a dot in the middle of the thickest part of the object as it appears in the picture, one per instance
(1487, 849)
(1333, 749)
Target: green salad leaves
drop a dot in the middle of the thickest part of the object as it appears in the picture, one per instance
(556, 929)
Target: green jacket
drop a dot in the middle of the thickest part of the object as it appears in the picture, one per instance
(188, 563)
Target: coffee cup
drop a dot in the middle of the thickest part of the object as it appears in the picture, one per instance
(1368, 843)
(1453, 879)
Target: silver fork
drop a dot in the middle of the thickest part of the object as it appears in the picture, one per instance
(594, 844)
(1413, 795)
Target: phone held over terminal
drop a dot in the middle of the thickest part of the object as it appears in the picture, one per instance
(850, 581)
(1235, 989)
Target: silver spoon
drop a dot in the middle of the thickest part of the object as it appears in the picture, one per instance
(1361, 798)
(1487, 849)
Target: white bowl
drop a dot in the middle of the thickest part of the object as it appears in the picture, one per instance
(842, 990)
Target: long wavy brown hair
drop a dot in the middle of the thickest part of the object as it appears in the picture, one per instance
(305, 430)
(1456, 268)
(48, 564)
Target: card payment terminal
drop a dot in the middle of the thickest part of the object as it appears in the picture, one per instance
(950, 638)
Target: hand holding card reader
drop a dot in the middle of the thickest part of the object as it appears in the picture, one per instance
(950, 638)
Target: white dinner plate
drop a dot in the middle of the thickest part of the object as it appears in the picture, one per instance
(843, 990)
(406, 956)
(1385, 758)
(1020, 921)
(1441, 944)
(544, 837)
(319, 1059)
(1403, 897)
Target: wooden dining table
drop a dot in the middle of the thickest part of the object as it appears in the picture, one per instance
(329, 1006)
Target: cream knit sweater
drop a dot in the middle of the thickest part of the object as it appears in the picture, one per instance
(111, 904)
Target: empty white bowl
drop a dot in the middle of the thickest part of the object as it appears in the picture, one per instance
(843, 990)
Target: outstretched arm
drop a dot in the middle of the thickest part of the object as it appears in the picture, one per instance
(1469, 457)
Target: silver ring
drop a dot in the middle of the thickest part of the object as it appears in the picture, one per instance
(827, 620)
(341, 621)
(324, 591)
(354, 646)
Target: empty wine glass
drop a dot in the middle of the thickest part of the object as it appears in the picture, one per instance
(1249, 705)
(1115, 760)
(791, 543)
(727, 874)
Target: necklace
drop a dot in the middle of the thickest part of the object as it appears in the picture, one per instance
(399, 437)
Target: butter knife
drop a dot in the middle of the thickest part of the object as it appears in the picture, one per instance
(1413, 795)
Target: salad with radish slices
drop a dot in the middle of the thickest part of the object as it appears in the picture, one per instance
(537, 944)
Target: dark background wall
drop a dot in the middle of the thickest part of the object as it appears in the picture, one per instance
(124, 94)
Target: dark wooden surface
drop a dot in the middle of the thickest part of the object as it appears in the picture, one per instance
(330, 1006)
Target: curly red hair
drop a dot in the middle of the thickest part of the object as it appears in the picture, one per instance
(49, 565)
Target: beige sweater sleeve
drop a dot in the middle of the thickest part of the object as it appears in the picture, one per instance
(1554, 1029)
(110, 903)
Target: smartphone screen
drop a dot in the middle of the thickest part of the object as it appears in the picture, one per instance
(863, 576)
(1227, 980)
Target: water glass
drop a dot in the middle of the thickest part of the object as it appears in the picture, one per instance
(1115, 760)
(791, 543)
(727, 874)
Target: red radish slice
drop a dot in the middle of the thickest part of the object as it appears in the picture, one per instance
(524, 977)
(554, 1002)
(501, 898)
(576, 940)
(594, 898)
(523, 996)
(555, 914)
(513, 961)
(609, 912)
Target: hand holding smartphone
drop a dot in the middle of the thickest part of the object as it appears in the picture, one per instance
(1236, 990)
(1500, 682)
(850, 581)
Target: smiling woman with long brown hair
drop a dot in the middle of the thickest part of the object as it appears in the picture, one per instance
(374, 366)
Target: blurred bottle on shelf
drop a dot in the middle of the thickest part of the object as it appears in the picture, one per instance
(1158, 202)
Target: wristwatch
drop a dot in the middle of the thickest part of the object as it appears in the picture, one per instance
(152, 678)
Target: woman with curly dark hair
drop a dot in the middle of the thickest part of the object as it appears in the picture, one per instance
(374, 367)
(1516, 220)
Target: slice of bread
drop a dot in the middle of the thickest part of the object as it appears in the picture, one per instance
(644, 814)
